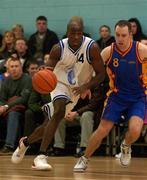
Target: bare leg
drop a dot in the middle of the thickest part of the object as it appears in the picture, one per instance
(50, 129)
(95, 140)
(37, 133)
(134, 130)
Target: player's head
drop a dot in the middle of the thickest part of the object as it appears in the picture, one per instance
(75, 31)
(123, 34)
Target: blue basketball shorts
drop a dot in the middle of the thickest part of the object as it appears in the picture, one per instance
(114, 109)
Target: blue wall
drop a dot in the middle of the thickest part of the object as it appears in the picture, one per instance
(58, 12)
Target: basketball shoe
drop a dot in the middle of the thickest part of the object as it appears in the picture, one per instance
(125, 157)
(40, 163)
(19, 153)
(81, 165)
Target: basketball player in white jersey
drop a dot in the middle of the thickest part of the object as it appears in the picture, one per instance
(74, 61)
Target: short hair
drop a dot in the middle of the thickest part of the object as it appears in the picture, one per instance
(123, 23)
(30, 62)
(105, 26)
(41, 18)
(13, 59)
(23, 39)
(77, 19)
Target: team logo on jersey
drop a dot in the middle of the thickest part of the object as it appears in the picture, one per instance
(71, 77)
(115, 62)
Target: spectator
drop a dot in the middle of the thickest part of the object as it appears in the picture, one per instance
(7, 48)
(136, 29)
(18, 31)
(32, 67)
(41, 42)
(34, 115)
(21, 51)
(14, 95)
(105, 37)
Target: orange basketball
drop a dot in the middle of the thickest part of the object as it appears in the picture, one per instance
(44, 81)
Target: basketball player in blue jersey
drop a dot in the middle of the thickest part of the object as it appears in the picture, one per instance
(74, 60)
(125, 61)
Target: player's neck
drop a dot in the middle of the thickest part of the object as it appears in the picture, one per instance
(125, 48)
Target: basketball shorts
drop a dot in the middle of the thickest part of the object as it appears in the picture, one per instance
(61, 91)
(115, 109)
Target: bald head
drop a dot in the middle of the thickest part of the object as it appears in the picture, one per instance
(75, 32)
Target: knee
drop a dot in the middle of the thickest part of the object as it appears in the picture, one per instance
(87, 117)
(101, 132)
(135, 131)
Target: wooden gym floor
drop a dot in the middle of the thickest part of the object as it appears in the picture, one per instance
(99, 168)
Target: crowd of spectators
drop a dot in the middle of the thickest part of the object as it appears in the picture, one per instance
(21, 107)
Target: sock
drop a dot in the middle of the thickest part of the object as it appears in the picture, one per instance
(25, 141)
(42, 153)
(124, 144)
(83, 148)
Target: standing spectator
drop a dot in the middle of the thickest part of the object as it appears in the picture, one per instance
(14, 96)
(136, 29)
(41, 42)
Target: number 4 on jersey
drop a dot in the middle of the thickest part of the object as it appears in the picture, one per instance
(80, 58)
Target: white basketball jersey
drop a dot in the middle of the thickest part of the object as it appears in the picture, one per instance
(74, 67)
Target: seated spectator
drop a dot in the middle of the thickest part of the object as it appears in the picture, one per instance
(34, 115)
(21, 51)
(7, 48)
(32, 67)
(105, 37)
(88, 116)
(14, 95)
(18, 31)
(136, 29)
(46, 58)
(41, 42)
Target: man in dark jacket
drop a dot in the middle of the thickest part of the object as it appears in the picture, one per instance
(41, 42)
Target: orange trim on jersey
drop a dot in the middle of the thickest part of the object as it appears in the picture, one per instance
(111, 52)
(137, 53)
(123, 53)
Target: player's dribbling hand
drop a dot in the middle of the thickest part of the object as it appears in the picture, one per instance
(85, 94)
(80, 90)
(71, 116)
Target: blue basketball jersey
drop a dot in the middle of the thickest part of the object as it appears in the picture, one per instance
(125, 72)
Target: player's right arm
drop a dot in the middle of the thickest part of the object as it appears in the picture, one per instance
(106, 53)
(55, 55)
